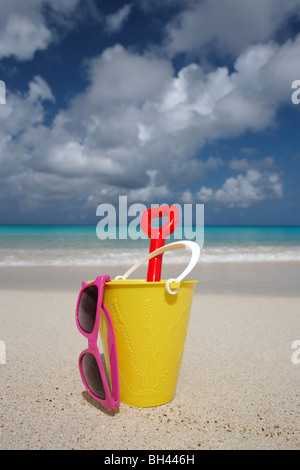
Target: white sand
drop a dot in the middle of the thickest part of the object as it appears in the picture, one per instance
(237, 389)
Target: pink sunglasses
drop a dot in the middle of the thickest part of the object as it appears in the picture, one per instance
(100, 379)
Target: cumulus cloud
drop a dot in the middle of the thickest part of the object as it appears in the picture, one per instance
(21, 37)
(227, 26)
(22, 112)
(23, 28)
(119, 76)
(205, 194)
(151, 191)
(244, 189)
(138, 129)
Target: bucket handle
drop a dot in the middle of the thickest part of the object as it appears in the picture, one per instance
(187, 244)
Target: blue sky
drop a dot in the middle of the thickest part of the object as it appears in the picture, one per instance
(165, 102)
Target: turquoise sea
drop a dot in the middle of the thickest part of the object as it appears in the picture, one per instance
(79, 245)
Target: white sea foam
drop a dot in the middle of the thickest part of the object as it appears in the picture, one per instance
(122, 257)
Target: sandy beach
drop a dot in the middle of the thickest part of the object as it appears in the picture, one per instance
(237, 389)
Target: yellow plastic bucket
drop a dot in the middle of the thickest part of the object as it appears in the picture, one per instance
(150, 321)
(150, 327)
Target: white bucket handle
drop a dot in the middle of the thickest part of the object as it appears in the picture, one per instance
(187, 244)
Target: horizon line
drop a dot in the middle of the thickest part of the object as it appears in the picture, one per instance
(92, 225)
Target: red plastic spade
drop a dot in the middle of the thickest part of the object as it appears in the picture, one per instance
(158, 235)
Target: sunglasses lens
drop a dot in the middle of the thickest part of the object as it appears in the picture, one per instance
(92, 375)
(87, 308)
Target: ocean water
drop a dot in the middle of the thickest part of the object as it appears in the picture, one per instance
(79, 245)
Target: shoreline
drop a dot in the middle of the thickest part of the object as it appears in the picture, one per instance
(248, 278)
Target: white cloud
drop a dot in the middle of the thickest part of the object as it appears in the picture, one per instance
(138, 129)
(115, 22)
(187, 197)
(22, 37)
(205, 194)
(22, 112)
(267, 69)
(276, 185)
(23, 29)
(121, 76)
(241, 191)
(213, 163)
(151, 192)
(244, 190)
(229, 26)
(220, 104)
(39, 89)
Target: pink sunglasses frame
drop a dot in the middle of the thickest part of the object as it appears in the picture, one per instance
(112, 399)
